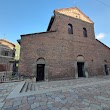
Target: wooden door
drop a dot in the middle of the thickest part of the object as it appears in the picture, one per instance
(40, 72)
(80, 66)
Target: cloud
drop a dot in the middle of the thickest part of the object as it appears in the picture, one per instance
(100, 36)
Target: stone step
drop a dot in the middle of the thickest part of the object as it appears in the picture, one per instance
(24, 87)
(33, 87)
(29, 88)
(36, 87)
(19, 88)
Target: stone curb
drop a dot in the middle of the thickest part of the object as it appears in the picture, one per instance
(18, 88)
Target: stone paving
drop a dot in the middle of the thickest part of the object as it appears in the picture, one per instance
(94, 97)
(5, 90)
(64, 83)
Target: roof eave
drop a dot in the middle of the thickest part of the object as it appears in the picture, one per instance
(50, 23)
(19, 41)
(38, 33)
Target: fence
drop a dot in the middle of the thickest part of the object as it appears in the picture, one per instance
(2, 78)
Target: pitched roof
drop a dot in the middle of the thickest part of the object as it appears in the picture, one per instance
(102, 43)
(38, 33)
(74, 12)
(4, 40)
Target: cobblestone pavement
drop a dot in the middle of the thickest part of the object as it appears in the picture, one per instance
(64, 83)
(5, 90)
(93, 97)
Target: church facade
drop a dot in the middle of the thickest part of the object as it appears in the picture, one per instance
(68, 49)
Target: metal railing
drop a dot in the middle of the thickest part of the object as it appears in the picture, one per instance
(2, 79)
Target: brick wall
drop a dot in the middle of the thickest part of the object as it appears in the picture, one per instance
(60, 50)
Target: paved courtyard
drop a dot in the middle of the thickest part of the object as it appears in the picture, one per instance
(76, 94)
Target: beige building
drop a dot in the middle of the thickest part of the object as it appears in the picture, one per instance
(7, 54)
(68, 49)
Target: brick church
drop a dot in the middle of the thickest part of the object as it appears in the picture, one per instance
(68, 49)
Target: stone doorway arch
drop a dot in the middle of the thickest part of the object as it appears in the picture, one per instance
(41, 66)
(80, 67)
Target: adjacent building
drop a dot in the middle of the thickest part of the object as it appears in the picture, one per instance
(7, 54)
(68, 49)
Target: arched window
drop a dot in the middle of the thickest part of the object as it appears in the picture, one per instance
(70, 29)
(84, 32)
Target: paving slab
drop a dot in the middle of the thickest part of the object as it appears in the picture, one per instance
(81, 94)
(1, 105)
(16, 94)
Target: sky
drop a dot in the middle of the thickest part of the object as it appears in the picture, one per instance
(18, 17)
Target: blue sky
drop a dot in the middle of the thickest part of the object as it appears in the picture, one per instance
(19, 17)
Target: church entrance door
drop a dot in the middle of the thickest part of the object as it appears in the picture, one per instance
(40, 72)
(106, 69)
(80, 66)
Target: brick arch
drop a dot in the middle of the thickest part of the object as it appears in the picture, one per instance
(81, 59)
(105, 61)
(41, 60)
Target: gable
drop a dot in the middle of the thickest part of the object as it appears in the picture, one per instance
(75, 13)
